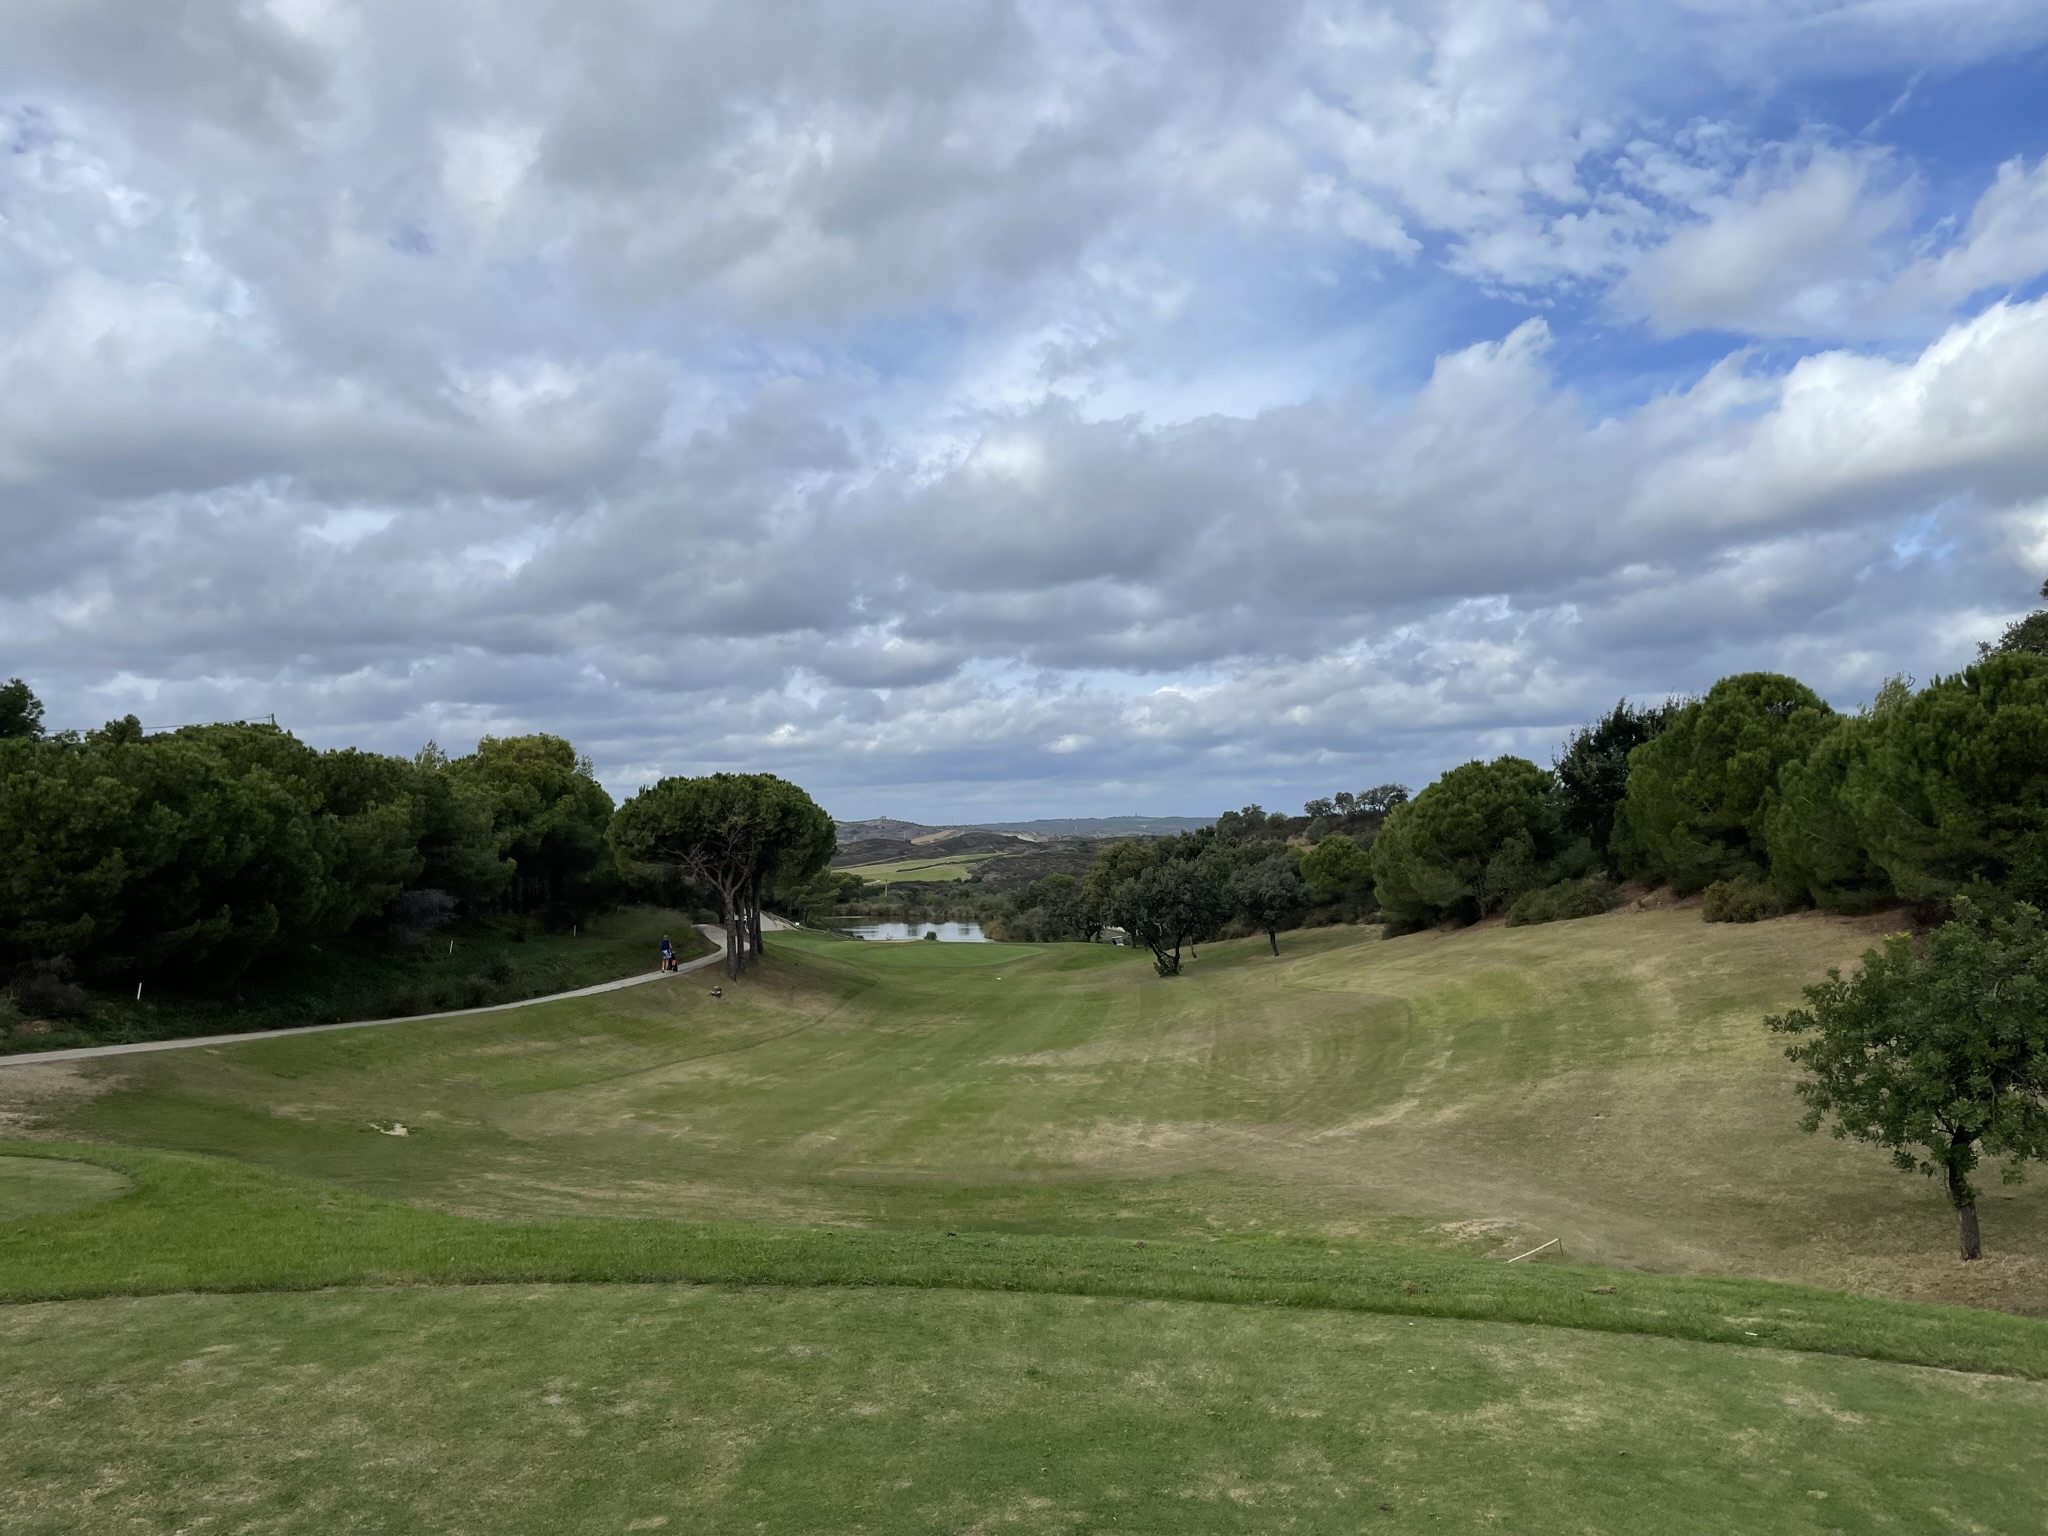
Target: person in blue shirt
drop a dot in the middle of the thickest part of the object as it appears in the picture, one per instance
(668, 954)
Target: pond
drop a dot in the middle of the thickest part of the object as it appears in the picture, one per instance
(870, 928)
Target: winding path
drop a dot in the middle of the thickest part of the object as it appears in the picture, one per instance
(91, 1052)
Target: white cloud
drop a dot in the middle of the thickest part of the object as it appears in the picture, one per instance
(1789, 249)
(1052, 401)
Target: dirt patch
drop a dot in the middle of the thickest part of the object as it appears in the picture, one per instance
(28, 1094)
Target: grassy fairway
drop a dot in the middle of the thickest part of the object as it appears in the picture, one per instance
(1605, 1081)
(707, 1409)
(991, 1236)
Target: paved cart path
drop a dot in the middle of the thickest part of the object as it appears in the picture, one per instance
(89, 1052)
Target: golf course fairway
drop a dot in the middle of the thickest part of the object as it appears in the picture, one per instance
(1003, 1237)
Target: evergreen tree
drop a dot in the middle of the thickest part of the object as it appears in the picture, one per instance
(1698, 792)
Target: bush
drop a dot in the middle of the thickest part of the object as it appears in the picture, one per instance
(43, 989)
(1745, 899)
(1561, 902)
(416, 914)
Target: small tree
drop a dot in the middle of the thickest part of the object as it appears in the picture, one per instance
(1166, 906)
(1269, 895)
(1937, 1053)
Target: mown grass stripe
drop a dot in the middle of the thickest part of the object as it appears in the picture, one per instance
(195, 1223)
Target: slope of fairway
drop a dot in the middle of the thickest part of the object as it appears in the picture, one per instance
(1605, 1081)
(712, 1409)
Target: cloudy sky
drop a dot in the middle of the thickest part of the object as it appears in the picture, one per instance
(988, 408)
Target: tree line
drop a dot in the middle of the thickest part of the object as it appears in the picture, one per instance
(1757, 794)
(194, 854)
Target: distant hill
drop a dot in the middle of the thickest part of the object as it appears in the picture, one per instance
(1101, 826)
(888, 829)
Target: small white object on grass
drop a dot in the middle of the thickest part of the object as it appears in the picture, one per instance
(397, 1128)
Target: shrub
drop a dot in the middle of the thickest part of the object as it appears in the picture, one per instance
(416, 914)
(1698, 793)
(1747, 898)
(44, 989)
(1561, 902)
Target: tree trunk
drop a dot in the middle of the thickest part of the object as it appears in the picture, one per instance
(1964, 1199)
(734, 917)
(754, 915)
(1273, 938)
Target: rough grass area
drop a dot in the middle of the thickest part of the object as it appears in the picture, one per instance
(500, 960)
(710, 1410)
(1607, 1081)
(208, 1224)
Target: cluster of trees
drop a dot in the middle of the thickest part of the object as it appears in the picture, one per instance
(193, 854)
(1758, 794)
(1170, 893)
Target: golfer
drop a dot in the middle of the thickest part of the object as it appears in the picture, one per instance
(668, 954)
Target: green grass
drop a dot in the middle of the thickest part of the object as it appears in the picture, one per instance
(205, 1224)
(42, 1186)
(884, 1231)
(714, 1410)
(958, 867)
(498, 960)
(1607, 1082)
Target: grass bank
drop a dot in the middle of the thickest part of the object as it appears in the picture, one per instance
(202, 1224)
